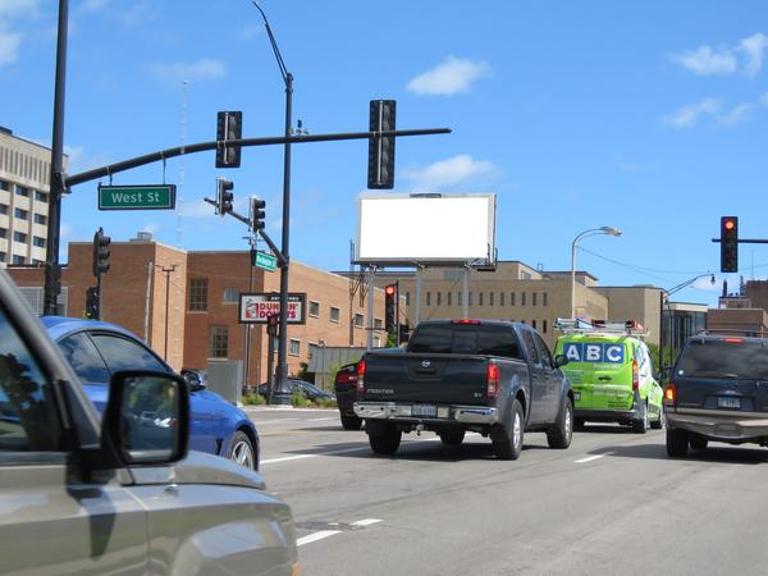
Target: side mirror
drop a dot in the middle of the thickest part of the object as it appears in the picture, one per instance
(561, 360)
(146, 420)
(194, 380)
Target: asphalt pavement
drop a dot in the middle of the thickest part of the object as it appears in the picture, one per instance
(613, 503)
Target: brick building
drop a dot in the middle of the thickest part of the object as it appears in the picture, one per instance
(185, 304)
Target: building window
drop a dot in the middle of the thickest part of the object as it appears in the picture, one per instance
(439, 298)
(449, 298)
(522, 298)
(295, 347)
(544, 326)
(218, 341)
(358, 320)
(2, 256)
(378, 324)
(314, 309)
(3, 185)
(22, 191)
(198, 296)
(534, 298)
(21, 214)
(533, 323)
(3, 233)
(501, 298)
(469, 299)
(18, 260)
(20, 237)
(429, 298)
(480, 299)
(311, 350)
(3, 208)
(231, 296)
(490, 298)
(544, 299)
(461, 298)
(39, 242)
(377, 341)
(335, 314)
(41, 196)
(407, 298)
(41, 219)
(511, 298)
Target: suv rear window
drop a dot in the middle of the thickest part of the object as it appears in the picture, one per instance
(465, 339)
(718, 359)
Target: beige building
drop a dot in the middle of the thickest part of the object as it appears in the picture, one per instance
(518, 292)
(24, 193)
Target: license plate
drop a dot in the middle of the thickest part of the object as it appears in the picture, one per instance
(424, 410)
(729, 402)
(576, 396)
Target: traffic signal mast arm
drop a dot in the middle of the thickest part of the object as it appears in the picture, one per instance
(281, 260)
(112, 169)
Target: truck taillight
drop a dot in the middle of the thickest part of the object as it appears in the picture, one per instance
(492, 375)
(670, 394)
(635, 376)
(361, 377)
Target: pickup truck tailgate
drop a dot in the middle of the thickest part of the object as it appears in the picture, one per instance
(433, 378)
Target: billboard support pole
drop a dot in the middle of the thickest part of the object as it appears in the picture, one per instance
(369, 322)
(418, 293)
(465, 290)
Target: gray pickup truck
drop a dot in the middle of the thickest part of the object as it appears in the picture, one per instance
(492, 377)
(718, 391)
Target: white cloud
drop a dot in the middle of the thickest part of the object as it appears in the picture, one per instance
(203, 69)
(15, 8)
(151, 227)
(706, 284)
(737, 114)
(9, 46)
(754, 48)
(704, 61)
(250, 32)
(450, 172)
(93, 5)
(78, 160)
(453, 76)
(688, 116)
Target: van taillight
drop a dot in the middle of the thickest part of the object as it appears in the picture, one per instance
(670, 394)
(635, 376)
(361, 377)
(492, 386)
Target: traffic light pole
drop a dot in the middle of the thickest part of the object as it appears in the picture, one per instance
(52, 269)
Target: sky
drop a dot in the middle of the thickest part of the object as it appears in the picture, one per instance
(646, 116)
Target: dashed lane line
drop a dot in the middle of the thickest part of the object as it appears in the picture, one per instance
(332, 452)
(314, 537)
(592, 458)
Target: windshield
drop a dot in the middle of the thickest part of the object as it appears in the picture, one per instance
(717, 359)
(466, 339)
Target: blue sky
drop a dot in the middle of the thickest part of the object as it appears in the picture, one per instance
(648, 116)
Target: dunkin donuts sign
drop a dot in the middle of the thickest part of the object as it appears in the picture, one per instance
(255, 308)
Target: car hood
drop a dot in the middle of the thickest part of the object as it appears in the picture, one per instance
(200, 468)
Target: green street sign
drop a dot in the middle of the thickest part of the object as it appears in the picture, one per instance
(143, 197)
(264, 260)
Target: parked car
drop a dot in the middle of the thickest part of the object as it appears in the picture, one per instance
(97, 350)
(307, 389)
(345, 386)
(493, 377)
(612, 377)
(84, 494)
(717, 392)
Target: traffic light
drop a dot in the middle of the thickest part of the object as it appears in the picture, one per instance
(224, 196)
(257, 213)
(229, 126)
(729, 244)
(390, 309)
(92, 303)
(381, 150)
(273, 321)
(405, 333)
(101, 244)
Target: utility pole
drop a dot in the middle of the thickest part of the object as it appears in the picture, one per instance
(167, 272)
(52, 267)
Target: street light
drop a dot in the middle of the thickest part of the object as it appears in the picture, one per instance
(606, 230)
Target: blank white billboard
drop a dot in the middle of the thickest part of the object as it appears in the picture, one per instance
(426, 229)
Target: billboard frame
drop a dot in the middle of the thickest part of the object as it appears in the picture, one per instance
(487, 260)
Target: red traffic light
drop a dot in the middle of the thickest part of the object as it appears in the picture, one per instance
(390, 290)
(729, 224)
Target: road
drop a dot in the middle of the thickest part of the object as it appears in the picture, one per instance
(611, 504)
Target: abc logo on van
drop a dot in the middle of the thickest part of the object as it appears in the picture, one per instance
(593, 352)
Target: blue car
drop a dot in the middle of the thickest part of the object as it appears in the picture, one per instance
(98, 349)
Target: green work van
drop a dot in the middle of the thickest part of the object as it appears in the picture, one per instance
(612, 379)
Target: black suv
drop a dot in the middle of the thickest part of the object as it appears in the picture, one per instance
(718, 391)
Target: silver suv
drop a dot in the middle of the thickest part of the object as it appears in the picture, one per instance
(79, 496)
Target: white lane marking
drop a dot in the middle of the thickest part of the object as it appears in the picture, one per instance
(276, 421)
(367, 522)
(320, 419)
(316, 536)
(592, 458)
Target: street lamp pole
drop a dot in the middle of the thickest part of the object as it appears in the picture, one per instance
(282, 347)
(608, 231)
